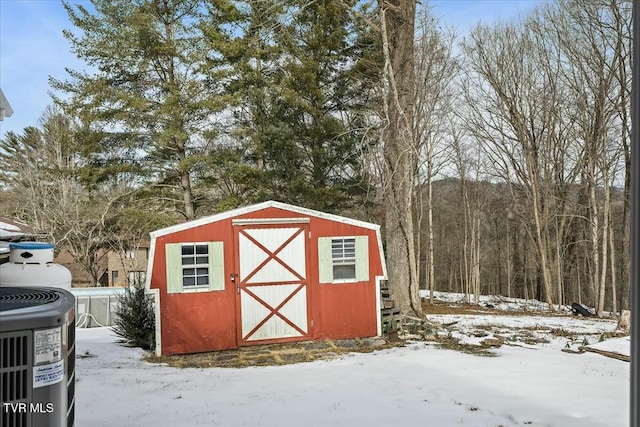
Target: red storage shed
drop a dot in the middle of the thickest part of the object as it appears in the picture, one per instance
(266, 273)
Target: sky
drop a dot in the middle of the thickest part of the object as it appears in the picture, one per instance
(32, 47)
(534, 385)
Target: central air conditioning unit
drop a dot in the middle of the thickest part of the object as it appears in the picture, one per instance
(37, 357)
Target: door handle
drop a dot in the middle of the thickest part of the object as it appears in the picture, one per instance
(233, 276)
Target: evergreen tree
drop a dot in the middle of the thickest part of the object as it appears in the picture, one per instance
(299, 101)
(145, 94)
(136, 317)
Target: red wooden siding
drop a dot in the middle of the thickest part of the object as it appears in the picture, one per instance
(207, 321)
(195, 322)
(344, 310)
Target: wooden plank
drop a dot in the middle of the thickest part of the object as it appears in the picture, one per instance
(390, 312)
(611, 354)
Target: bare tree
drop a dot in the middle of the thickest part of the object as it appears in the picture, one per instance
(621, 13)
(398, 22)
(436, 69)
(43, 173)
(466, 159)
(512, 103)
(587, 37)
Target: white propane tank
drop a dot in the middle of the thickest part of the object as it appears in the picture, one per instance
(31, 264)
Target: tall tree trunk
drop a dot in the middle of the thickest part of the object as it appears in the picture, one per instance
(185, 176)
(187, 195)
(509, 261)
(525, 273)
(612, 258)
(430, 263)
(542, 248)
(595, 250)
(476, 258)
(626, 234)
(579, 285)
(605, 245)
(398, 23)
(465, 243)
(623, 56)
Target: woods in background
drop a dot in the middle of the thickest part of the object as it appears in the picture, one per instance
(513, 142)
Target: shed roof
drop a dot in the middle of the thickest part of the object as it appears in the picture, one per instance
(259, 206)
(252, 208)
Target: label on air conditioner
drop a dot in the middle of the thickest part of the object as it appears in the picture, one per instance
(44, 375)
(47, 346)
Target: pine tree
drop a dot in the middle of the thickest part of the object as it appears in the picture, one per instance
(145, 92)
(136, 318)
(299, 102)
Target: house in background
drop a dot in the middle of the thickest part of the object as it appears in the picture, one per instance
(124, 268)
(80, 278)
(115, 268)
(5, 107)
(12, 230)
(266, 273)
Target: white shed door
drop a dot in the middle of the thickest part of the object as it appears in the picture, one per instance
(272, 282)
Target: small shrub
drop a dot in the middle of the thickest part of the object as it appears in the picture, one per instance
(413, 328)
(136, 320)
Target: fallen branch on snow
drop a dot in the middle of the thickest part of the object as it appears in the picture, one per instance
(611, 354)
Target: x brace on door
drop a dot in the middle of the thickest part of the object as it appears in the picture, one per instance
(274, 311)
(271, 255)
(275, 287)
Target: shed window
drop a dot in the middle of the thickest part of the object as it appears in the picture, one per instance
(343, 259)
(195, 267)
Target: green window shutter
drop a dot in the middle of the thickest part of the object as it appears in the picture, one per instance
(325, 263)
(362, 258)
(174, 267)
(216, 266)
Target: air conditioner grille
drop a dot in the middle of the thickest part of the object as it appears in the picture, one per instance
(15, 371)
(16, 298)
(37, 322)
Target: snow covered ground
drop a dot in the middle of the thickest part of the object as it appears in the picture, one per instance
(497, 301)
(537, 329)
(415, 385)
(555, 332)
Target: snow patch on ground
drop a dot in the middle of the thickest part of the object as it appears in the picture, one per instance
(617, 345)
(414, 385)
(496, 301)
(557, 330)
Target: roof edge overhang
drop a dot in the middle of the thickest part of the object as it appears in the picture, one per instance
(256, 207)
(253, 208)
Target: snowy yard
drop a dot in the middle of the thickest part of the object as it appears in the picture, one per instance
(416, 385)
